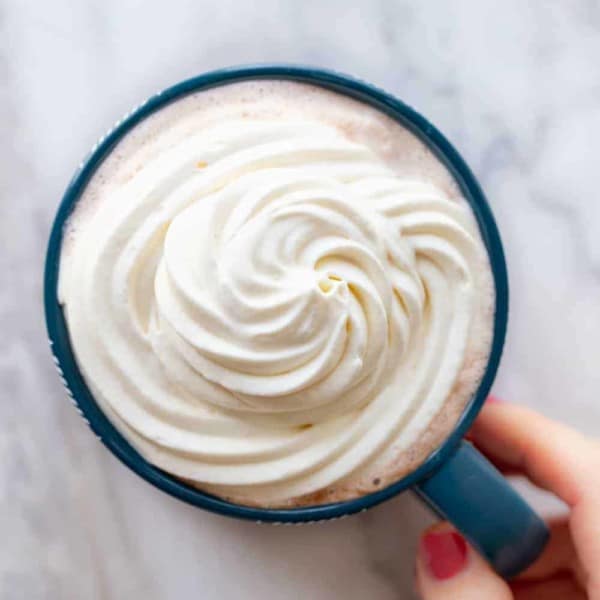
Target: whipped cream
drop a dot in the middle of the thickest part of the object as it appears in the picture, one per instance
(265, 306)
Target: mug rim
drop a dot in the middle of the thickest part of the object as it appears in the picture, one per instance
(348, 85)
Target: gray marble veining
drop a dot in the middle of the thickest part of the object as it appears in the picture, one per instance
(516, 86)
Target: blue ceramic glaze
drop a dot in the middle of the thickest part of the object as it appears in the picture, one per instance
(471, 493)
(455, 480)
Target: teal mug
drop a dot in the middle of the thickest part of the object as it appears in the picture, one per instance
(455, 480)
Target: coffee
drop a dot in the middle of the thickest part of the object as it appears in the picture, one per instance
(277, 294)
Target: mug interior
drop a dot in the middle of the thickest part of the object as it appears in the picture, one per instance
(59, 338)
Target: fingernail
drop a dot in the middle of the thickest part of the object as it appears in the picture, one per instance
(491, 399)
(444, 553)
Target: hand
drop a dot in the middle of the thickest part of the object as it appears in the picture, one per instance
(554, 457)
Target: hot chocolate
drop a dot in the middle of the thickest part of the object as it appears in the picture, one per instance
(277, 294)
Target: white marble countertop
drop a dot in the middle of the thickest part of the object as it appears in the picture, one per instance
(515, 85)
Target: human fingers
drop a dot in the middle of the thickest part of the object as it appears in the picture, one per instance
(447, 568)
(556, 588)
(559, 557)
(554, 456)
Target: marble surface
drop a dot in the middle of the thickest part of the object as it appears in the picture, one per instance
(515, 85)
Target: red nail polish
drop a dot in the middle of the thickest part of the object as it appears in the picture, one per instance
(444, 553)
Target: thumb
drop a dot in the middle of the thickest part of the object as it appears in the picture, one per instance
(449, 569)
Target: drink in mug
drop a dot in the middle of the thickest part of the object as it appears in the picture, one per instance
(277, 294)
(277, 297)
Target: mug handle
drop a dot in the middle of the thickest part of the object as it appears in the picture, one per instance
(471, 493)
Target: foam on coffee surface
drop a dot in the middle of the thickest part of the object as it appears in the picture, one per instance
(278, 294)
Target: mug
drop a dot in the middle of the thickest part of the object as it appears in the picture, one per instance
(456, 481)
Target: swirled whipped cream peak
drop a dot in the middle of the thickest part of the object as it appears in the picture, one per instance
(277, 294)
